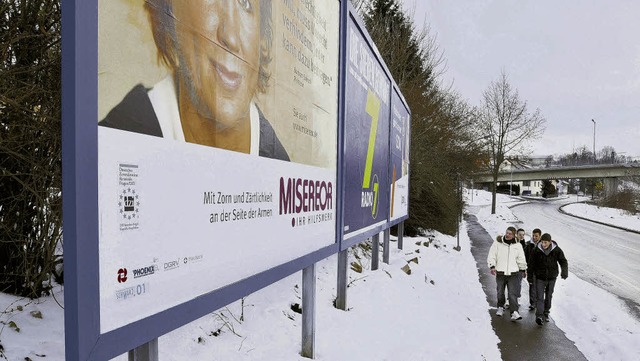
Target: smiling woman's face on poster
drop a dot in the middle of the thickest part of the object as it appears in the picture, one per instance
(216, 53)
(252, 76)
(217, 57)
(218, 50)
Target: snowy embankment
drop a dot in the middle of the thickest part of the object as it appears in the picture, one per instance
(613, 216)
(437, 312)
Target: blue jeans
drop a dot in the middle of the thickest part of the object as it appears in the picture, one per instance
(514, 282)
(544, 291)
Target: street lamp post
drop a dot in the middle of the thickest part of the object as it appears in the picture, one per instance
(511, 182)
(457, 247)
(594, 141)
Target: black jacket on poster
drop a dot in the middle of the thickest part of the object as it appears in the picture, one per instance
(136, 114)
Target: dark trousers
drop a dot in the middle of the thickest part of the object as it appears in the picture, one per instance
(514, 283)
(544, 291)
(532, 293)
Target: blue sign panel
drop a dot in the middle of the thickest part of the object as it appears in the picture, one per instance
(366, 148)
(399, 143)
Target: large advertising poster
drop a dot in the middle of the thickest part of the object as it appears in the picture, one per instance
(366, 149)
(399, 139)
(217, 128)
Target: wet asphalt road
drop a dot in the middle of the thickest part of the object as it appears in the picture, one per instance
(524, 339)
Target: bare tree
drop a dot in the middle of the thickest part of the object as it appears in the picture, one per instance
(507, 125)
(607, 155)
(30, 146)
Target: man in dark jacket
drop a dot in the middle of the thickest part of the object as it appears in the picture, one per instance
(528, 249)
(544, 267)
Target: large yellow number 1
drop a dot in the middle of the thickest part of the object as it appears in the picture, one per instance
(373, 109)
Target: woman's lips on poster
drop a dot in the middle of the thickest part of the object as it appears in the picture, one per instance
(230, 79)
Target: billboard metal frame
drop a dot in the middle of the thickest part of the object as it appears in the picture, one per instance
(83, 340)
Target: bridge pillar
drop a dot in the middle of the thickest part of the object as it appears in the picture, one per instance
(610, 186)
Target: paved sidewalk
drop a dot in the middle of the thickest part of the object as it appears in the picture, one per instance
(524, 339)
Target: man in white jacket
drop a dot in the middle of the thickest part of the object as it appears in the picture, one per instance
(507, 262)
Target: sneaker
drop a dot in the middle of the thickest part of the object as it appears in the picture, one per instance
(500, 311)
(532, 308)
(546, 318)
(515, 316)
(539, 321)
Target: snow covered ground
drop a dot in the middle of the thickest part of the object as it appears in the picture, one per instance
(437, 312)
(613, 216)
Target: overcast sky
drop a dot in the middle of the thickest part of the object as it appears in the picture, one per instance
(575, 60)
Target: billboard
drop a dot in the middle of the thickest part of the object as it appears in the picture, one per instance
(217, 145)
(200, 155)
(399, 144)
(366, 148)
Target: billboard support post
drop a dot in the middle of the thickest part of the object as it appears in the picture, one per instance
(457, 247)
(385, 246)
(309, 311)
(343, 274)
(145, 352)
(375, 250)
(400, 234)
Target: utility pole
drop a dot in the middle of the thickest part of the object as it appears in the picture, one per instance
(457, 247)
(594, 141)
(511, 181)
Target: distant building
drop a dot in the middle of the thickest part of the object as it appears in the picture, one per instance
(562, 187)
(539, 161)
(534, 187)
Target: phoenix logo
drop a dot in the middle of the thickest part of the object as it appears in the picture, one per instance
(122, 275)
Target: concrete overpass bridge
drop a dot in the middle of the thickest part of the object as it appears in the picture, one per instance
(609, 172)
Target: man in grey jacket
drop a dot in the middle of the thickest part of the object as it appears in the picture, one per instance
(507, 262)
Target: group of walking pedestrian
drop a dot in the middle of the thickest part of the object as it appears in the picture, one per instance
(512, 260)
